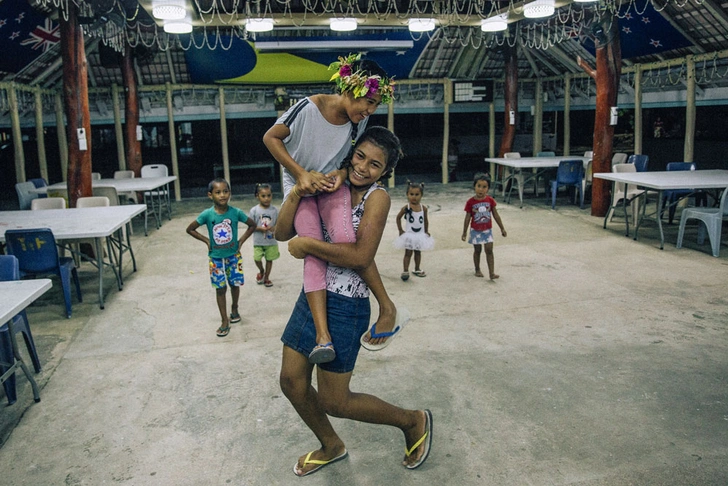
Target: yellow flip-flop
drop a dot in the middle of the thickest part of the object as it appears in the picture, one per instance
(321, 464)
(426, 438)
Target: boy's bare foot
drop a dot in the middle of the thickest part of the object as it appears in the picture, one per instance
(385, 323)
(493, 276)
(478, 273)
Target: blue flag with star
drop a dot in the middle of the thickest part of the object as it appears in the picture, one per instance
(647, 32)
(25, 34)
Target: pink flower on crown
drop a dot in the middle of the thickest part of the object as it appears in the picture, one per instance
(345, 70)
(372, 85)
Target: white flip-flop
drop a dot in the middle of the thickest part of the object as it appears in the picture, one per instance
(403, 316)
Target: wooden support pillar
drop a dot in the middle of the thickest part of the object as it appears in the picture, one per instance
(567, 114)
(18, 152)
(62, 139)
(173, 142)
(390, 127)
(491, 137)
(446, 101)
(131, 116)
(510, 111)
(637, 109)
(538, 119)
(690, 112)
(606, 76)
(118, 129)
(40, 135)
(75, 90)
(224, 138)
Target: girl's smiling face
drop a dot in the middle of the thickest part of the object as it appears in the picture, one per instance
(367, 164)
(414, 195)
(358, 109)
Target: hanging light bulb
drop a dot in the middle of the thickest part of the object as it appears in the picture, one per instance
(259, 25)
(496, 23)
(183, 26)
(421, 25)
(169, 10)
(539, 9)
(346, 24)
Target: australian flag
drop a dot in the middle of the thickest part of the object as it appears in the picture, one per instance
(24, 35)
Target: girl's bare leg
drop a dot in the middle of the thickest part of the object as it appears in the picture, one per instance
(295, 381)
(418, 260)
(477, 249)
(490, 260)
(407, 258)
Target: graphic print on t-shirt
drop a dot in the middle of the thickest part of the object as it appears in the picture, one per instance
(222, 232)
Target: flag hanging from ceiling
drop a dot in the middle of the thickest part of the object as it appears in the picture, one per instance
(647, 32)
(25, 34)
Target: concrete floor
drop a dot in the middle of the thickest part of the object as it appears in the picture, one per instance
(594, 360)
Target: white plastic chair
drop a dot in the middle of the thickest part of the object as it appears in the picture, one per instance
(589, 153)
(24, 195)
(618, 158)
(95, 176)
(126, 196)
(48, 203)
(162, 195)
(712, 221)
(619, 194)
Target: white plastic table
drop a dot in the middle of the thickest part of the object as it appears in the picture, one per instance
(153, 185)
(541, 164)
(99, 223)
(14, 297)
(664, 181)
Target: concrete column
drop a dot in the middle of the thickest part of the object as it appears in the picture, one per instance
(538, 119)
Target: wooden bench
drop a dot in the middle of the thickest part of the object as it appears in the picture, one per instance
(218, 169)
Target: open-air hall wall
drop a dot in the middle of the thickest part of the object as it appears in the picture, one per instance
(684, 83)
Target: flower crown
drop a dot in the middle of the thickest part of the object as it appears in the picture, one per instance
(359, 83)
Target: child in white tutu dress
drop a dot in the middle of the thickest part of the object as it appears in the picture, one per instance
(417, 237)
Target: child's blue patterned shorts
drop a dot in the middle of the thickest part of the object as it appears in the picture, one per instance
(229, 268)
(480, 237)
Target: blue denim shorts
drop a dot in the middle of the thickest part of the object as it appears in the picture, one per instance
(348, 319)
(480, 237)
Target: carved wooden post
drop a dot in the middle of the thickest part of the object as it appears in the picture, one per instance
(511, 98)
(131, 117)
(75, 92)
(606, 75)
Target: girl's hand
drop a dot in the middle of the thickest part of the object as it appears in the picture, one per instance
(463, 237)
(295, 248)
(401, 232)
(337, 178)
(504, 233)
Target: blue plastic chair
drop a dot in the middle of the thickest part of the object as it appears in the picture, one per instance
(37, 255)
(570, 173)
(9, 270)
(671, 197)
(639, 161)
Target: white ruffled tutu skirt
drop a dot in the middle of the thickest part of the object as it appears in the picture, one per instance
(414, 241)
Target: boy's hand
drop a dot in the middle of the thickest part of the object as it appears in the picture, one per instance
(312, 182)
(504, 233)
